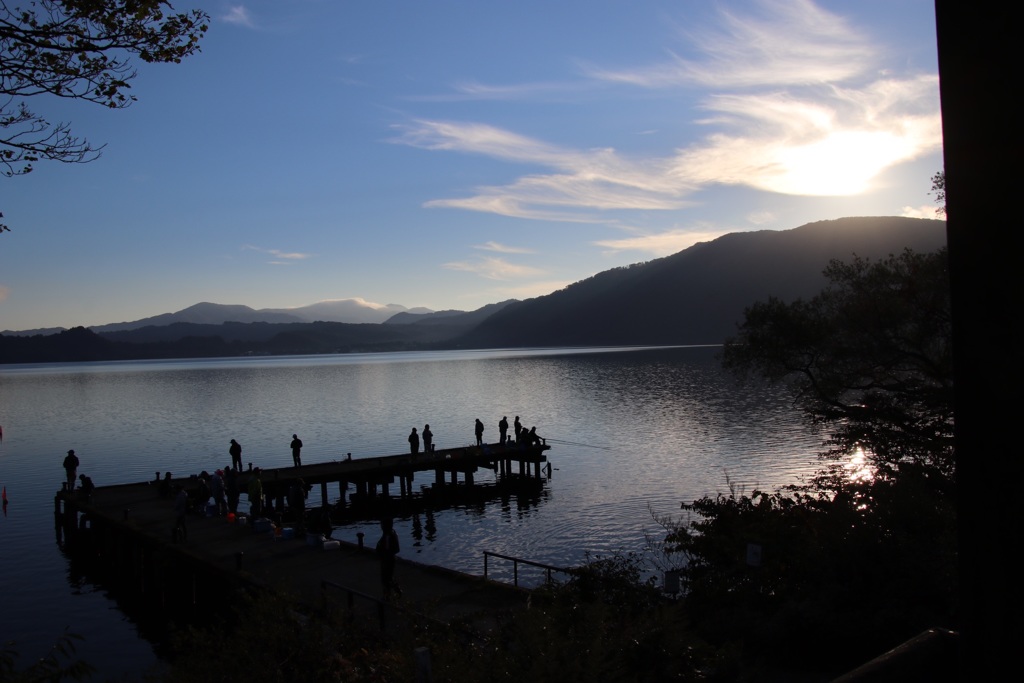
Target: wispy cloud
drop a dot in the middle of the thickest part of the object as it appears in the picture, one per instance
(789, 42)
(239, 15)
(475, 91)
(281, 257)
(587, 180)
(795, 106)
(925, 211)
(529, 290)
(494, 268)
(659, 244)
(4, 292)
(502, 248)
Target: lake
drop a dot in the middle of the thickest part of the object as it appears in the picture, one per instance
(634, 432)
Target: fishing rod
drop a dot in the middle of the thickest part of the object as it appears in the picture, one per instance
(573, 443)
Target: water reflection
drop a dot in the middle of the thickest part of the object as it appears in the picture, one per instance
(633, 432)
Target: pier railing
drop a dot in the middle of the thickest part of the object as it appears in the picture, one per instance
(516, 561)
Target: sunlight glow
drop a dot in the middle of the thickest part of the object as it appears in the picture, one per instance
(858, 468)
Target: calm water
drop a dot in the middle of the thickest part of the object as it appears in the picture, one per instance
(633, 432)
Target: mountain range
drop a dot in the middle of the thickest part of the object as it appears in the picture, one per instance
(696, 296)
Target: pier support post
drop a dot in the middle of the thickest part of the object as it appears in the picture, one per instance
(323, 493)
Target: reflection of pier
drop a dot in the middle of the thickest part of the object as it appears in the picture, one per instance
(373, 478)
(126, 533)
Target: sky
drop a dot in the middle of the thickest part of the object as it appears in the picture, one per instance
(450, 154)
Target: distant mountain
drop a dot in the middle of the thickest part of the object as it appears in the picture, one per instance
(335, 310)
(345, 311)
(448, 318)
(698, 295)
(202, 314)
(694, 297)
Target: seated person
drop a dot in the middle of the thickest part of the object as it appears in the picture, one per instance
(87, 487)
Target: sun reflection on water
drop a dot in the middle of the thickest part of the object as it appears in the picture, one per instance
(859, 469)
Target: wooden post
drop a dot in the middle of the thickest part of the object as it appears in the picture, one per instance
(323, 493)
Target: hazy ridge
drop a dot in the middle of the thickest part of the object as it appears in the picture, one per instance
(696, 296)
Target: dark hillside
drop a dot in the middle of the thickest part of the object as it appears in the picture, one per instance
(698, 295)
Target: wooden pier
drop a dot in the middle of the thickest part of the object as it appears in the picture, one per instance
(127, 529)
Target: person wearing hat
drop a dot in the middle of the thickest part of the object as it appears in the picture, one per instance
(71, 468)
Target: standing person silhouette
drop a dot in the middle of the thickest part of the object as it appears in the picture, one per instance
(387, 548)
(503, 429)
(296, 450)
(428, 439)
(479, 432)
(517, 426)
(414, 442)
(236, 455)
(71, 469)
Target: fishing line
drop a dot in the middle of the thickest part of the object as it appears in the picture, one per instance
(573, 443)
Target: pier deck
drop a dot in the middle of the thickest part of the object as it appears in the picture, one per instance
(131, 525)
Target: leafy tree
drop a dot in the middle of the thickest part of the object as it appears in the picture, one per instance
(939, 189)
(59, 664)
(869, 358)
(847, 565)
(81, 50)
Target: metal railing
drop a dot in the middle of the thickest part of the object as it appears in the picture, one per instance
(516, 561)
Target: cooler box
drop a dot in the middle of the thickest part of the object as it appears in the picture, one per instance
(332, 545)
(261, 525)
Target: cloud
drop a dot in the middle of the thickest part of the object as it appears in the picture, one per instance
(239, 15)
(502, 248)
(833, 144)
(761, 217)
(925, 211)
(587, 180)
(528, 290)
(796, 106)
(4, 292)
(494, 268)
(287, 258)
(791, 42)
(660, 244)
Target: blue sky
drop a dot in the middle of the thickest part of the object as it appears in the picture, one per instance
(452, 154)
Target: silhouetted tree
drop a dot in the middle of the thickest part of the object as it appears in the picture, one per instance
(78, 49)
(869, 358)
(849, 564)
(939, 190)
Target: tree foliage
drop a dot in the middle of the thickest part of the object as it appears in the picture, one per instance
(59, 664)
(939, 190)
(848, 564)
(80, 50)
(869, 358)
